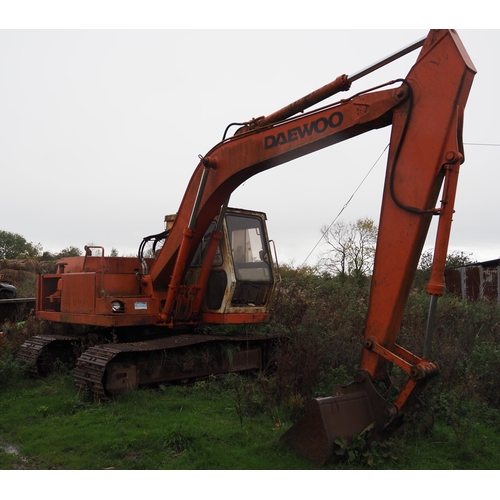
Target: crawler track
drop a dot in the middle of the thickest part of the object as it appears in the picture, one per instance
(110, 369)
(42, 351)
(113, 368)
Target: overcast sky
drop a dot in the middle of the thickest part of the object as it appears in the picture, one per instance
(100, 131)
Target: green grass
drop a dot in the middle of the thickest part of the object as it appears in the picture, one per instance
(205, 426)
(443, 451)
(178, 428)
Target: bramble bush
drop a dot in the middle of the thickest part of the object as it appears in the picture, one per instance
(324, 318)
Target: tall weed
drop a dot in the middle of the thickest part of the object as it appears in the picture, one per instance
(11, 370)
(324, 319)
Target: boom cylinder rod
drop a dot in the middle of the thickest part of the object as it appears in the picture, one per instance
(199, 194)
(222, 215)
(429, 332)
(180, 265)
(386, 60)
(185, 246)
(210, 253)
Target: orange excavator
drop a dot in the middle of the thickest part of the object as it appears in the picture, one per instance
(214, 265)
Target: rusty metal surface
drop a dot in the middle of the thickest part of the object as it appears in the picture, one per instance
(340, 84)
(475, 281)
(96, 370)
(326, 419)
(90, 369)
(352, 408)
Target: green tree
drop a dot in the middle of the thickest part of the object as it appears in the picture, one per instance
(351, 248)
(453, 259)
(69, 252)
(15, 246)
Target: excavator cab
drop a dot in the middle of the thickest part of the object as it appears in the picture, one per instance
(243, 275)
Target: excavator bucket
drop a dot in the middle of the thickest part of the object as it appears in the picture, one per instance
(351, 409)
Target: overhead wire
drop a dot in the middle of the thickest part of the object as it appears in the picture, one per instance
(359, 186)
(345, 205)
